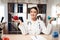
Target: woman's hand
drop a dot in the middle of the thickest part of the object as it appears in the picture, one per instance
(14, 20)
(51, 20)
(18, 21)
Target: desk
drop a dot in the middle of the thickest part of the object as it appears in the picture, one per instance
(24, 37)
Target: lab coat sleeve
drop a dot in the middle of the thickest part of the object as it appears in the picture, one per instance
(23, 28)
(43, 27)
(46, 30)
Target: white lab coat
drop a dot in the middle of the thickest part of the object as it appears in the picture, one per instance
(36, 27)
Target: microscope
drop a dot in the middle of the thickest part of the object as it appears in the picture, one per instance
(1, 27)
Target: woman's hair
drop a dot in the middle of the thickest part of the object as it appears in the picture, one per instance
(39, 17)
(36, 8)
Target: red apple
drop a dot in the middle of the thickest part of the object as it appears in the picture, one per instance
(15, 17)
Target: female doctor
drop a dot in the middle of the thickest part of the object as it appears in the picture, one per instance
(34, 26)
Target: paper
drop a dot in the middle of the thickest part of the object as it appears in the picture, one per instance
(38, 38)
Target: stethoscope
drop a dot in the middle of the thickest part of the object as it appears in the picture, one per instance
(39, 24)
(29, 23)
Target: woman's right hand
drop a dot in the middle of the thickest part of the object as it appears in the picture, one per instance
(18, 21)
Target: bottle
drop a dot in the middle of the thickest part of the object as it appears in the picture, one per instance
(55, 33)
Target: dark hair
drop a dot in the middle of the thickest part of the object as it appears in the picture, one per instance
(39, 17)
(35, 9)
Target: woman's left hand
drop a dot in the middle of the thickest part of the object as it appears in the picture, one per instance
(51, 20)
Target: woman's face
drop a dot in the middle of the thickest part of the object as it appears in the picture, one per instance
(33, 13)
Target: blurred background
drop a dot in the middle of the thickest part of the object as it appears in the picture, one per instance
(21, 8)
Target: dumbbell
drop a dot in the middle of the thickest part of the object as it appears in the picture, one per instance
(50, 18)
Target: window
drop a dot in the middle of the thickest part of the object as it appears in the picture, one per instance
(42, 8)
(11, 7)
(2, 8)
(20, 8)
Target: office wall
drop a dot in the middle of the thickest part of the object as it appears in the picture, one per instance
(5, 13)
(50, 8)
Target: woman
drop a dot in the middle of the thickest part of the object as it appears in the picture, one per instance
(34, 26)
